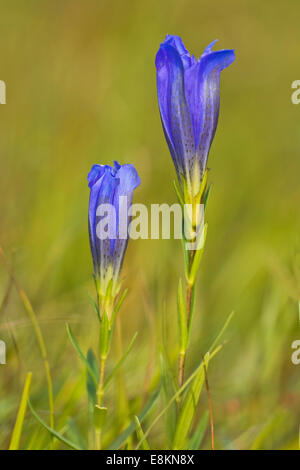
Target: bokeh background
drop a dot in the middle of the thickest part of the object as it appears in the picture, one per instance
(81, 89)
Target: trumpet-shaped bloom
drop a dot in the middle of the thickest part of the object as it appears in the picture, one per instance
(111, 189)
(189, 96)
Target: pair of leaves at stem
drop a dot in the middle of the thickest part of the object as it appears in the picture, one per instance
(115, 310)
(106, 325)
(191, 269)
(92, 368)
(202, 195)
(92, 381)
(98, 414)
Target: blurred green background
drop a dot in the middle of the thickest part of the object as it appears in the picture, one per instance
(81, 89)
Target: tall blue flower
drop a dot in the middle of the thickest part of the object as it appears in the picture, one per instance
(111, 190)
(189, 96)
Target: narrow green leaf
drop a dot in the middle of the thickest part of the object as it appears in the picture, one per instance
(198, 256)
(130, 429)
(140, 434)
(80, 353)
(16, 435)
(198, 435)
(120, 362)
(178, 194)
(91, 385)
(188, 409)
(206, 196)
(54, 433)
(94, 303)
(182, 319)
(118, 306)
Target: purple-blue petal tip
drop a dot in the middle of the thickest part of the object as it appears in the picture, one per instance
(188, 92)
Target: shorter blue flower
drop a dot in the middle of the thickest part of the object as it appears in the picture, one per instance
(189, 96)
(110, 187)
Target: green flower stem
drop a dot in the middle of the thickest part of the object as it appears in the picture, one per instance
(100, 393)
(192, 260)
(101, 381)
(107, 310)
(189, 306)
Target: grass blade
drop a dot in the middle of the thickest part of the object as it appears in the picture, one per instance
(130, 429)
(140, 434)
(198, 435)
(229, 318)
(178, 393)
(188, 408)
(58, 436)
(16, 435)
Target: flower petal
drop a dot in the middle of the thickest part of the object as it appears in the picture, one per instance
(203, 96)
(129, 181)
(102, 192)
(208, 48)
(174, 110)
(117, 166)
(95, 173)
(176, 42)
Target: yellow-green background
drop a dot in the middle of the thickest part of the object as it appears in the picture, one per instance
(81, 89)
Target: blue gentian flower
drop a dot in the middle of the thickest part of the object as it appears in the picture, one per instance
(189, 96)
(113, 186)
